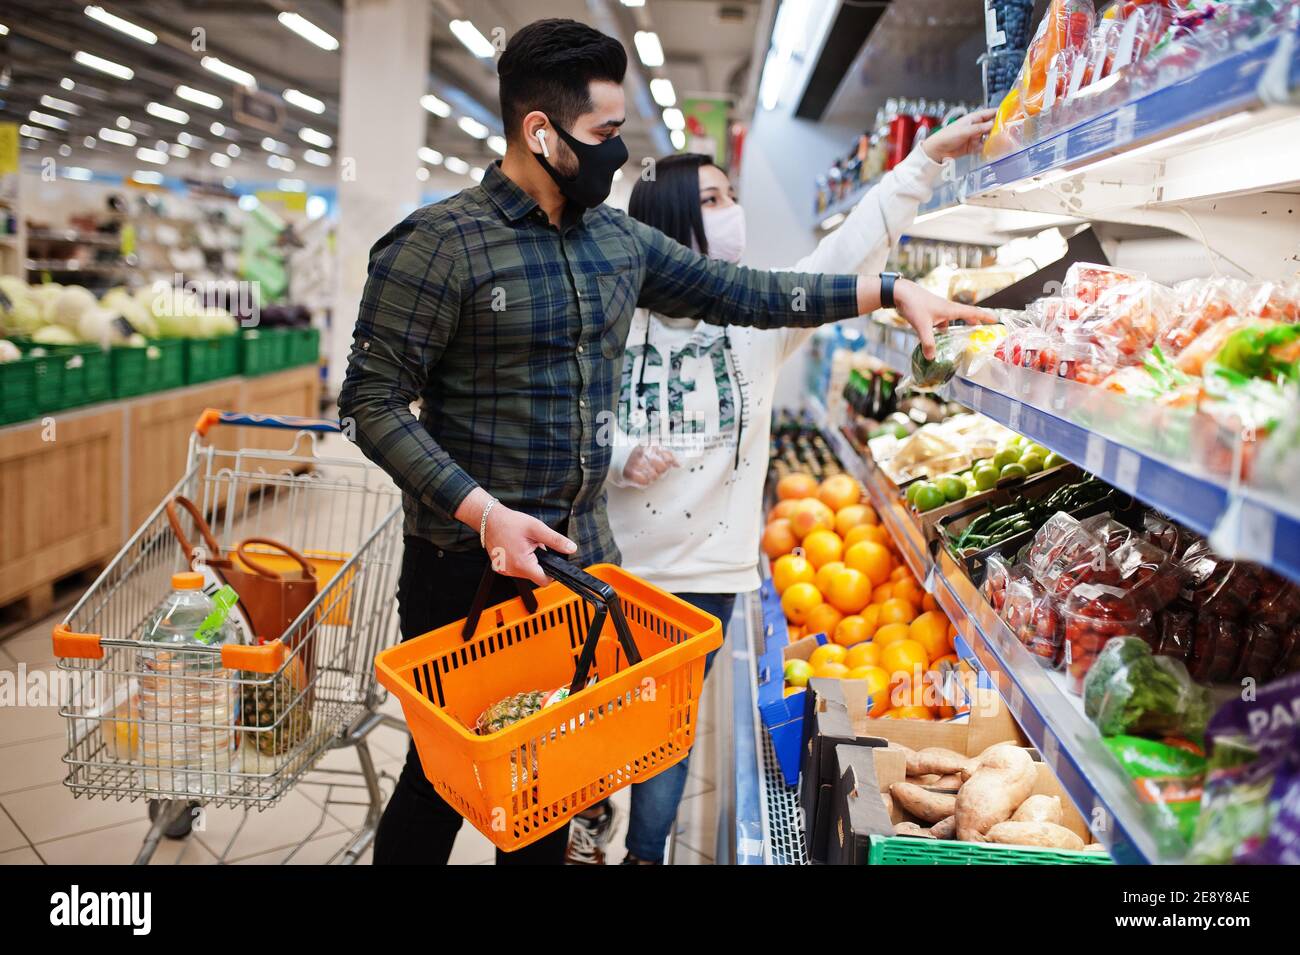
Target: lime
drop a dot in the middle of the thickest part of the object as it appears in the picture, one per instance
(910, 494)
(1052, 460)
(1037, 449)
(1032, 463)
(928, 497)
(1015, 470)
(954, 489)
(986, 476)
(797, 672)
(1016, 441)
(1005, 456)
(969, 480)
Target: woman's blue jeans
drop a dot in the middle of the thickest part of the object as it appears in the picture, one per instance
(655, 801)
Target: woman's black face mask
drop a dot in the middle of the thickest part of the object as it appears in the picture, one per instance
(597, 164)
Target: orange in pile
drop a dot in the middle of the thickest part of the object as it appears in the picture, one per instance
(838, 572)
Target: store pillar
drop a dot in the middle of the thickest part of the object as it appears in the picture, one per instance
(381, 127)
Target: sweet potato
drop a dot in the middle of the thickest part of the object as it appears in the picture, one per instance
(912, 829)
(1045, 834)
(927, 780)
(951, 781)
(944, 828)
(936, 759)
(1039, 808)
(922, 803)
(995, 790)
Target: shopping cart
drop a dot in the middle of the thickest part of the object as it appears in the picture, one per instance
(238, 725)
(646, 649)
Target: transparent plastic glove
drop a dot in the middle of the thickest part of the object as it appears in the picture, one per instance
(647, 464)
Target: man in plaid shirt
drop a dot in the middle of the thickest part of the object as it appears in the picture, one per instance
(505, 309)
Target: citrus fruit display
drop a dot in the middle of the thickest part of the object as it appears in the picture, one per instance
(850, 591)
(826, 573)
(810, 515)
(823, 547)
(871, 559)
(791, 569)
(855, 515)
(828, 653)
(865, 654)
(839, 491)
(794, 486)
(798, 672)
(798, 601)
(823, 619)
(778, 538)
(851, 631)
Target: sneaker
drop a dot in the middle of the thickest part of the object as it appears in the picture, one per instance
(588, 835)
(630, 859)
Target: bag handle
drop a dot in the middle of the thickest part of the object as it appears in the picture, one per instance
(261, 569)
(214, 559)
(586, 586)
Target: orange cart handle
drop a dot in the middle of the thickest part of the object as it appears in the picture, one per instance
(76, 646)
(214, 416)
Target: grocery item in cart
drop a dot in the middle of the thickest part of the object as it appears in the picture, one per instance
(272, 707)
(188, 702)
(516, 707)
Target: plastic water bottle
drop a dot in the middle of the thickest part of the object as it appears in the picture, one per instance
(189, 702)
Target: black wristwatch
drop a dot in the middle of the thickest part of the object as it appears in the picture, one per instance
(887, 280)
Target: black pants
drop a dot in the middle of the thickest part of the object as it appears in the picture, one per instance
(435, 588)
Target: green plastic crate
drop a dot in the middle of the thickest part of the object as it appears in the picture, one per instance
(907, 850)
(18, 390)
(265, 350)
(304, 347)
(142, 371)
(207, 359)
(87, 375)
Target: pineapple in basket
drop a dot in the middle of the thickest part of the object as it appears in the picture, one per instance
(510, 710)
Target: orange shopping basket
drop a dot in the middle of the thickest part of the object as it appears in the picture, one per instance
(646, 649)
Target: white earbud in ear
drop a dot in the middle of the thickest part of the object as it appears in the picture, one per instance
(541, 141)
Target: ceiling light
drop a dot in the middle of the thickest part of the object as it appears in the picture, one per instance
(103, 65)
(308, 31)
(53, 102)
(179, 150)
(217, 129)
(457, 165)
(233, 73)
(80, 173)
(648, 47)
(663, 92)
(283, 163)
(474, 41)
(315, 137)
(274, 145)
(184, 138)
(201, 97)
(316, 157)
(122, 26)
(300, 99)
(148, 177)
(66, 84)
(434, 105)
(157, 156)
(4, 30)
(674, 119)
(169, 113)
(117, 136)
(65, 150)
(220, 159)
(473, 127)
(476, 174)
(123, 122)
(31, 132)
(45, 119)
(291, 185)
(634, 3)
(497, 144)
(431, 156)
(678, 139)
(422, 173)
(233, 150)
(89, 142)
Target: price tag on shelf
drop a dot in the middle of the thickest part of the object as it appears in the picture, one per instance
(1051, 749)
(1094, 457)
(1246, 530)
(1015, 699)
(993, 37)
(976, 398)
(1127, 468)
(1013, 416)
(1125, 118)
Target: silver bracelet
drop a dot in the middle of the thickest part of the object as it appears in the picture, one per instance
(482, 522)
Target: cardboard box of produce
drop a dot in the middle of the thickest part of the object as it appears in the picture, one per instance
(837, 714)
(783, 715)
(862, 805)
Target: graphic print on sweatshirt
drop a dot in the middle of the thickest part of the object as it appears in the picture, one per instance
(690, 402)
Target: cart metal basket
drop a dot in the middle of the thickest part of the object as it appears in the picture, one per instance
(237, 725)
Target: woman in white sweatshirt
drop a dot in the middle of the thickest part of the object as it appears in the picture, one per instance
(685, 484)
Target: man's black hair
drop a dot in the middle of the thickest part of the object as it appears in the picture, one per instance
(548, 65)
(671, 201)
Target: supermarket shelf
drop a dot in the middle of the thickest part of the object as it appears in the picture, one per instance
(74, 265)
(768, 822)
(1178, 134)
(75, 236)
(1051, 718)
(1245, 525)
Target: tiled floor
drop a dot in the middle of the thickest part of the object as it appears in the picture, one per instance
(40, 821)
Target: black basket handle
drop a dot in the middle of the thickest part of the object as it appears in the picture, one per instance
(589, 588)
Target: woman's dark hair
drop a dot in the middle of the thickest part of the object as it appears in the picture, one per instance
(549, 66)
(670, 202)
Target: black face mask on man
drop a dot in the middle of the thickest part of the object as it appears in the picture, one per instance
(597, 163)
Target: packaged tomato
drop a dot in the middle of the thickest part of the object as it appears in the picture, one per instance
(1174, 630)
(996, 574)
(1277, 602)
(1150, 576)
(1081, 555)
(1205, 346)
(1198, 305)
(1216, 586)
(1262, 648)
(1094, 614)
(1162, 532)
(1031, 614)
(1085, 281)
(1216, 648)
(1278, 301)
(1079, 359)
(1124, 318)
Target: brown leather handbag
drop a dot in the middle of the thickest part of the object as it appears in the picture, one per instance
(271, 599)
